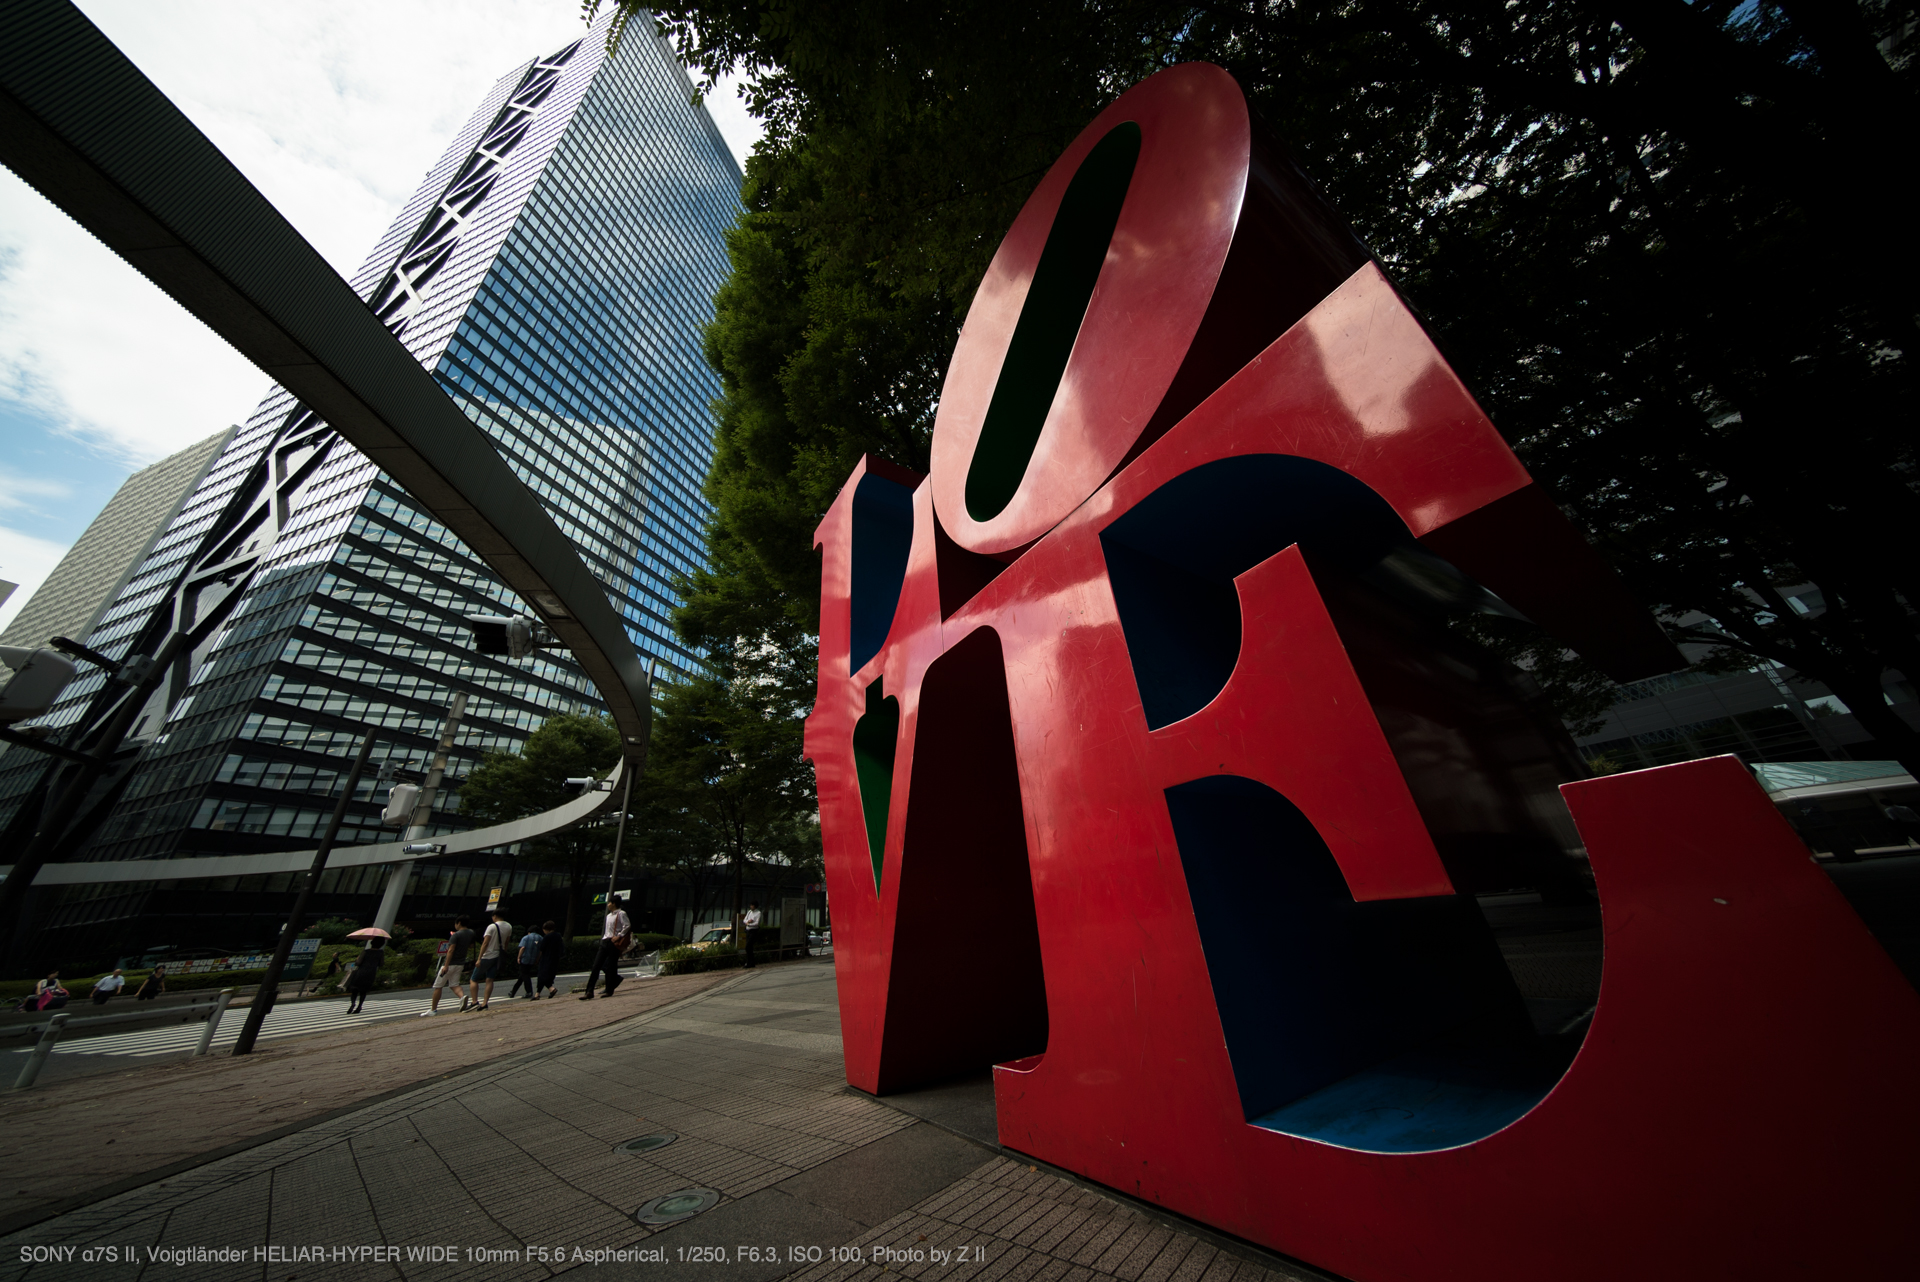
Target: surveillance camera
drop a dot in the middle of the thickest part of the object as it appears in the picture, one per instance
(421, 848)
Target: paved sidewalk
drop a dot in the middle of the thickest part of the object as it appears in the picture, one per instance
(516, 1171)
(292, 1016)
(66, 1138)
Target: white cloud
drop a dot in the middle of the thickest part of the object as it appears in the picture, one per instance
(91, 345)
(334, 111)
(730, 117)
(29, 494)
(27, 561)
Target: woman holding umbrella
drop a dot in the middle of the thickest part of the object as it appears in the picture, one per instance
(366, 968)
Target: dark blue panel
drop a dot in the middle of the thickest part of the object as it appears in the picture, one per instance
(882, 536)
(1173, 558)
(1313, 988)
(1440, 1096)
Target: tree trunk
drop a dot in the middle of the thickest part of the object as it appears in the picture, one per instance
(573, 905)
(739, 909)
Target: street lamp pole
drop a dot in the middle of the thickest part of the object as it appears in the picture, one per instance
(422, 811)
(270, 985)
(620, 833)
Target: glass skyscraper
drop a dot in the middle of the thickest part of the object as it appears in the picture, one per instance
(554, 270)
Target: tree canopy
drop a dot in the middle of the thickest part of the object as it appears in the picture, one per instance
(507, 786)
(1662, 240)
(726, 785)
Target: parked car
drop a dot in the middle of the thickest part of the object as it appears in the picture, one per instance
(710, 933)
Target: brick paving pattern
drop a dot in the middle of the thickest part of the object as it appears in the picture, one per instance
(1033, 1226)
(144, 1117)
(513, 1168)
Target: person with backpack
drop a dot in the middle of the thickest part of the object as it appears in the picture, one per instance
(494, 944)
(528, 960)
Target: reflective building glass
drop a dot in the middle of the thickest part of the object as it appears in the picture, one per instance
(555, 271)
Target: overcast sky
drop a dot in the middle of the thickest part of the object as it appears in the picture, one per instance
(335, 111)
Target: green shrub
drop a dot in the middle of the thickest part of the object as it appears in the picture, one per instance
(331, 930)
(190, 983)
(583, 949)
(691, 961)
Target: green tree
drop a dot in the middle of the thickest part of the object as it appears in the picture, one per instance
(1661, 239)
(507, 786)
(726, 785)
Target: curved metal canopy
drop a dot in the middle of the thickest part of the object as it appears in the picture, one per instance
(85, 128)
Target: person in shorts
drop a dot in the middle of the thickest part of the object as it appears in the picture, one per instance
(453, 970)
(494, 943)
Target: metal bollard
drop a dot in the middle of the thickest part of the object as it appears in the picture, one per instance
(41, 1049)
(213, 1021)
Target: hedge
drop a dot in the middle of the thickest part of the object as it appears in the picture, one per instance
(583, 949)
(690, 961)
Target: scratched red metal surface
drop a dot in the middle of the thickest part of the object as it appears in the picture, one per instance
(1740, 1106)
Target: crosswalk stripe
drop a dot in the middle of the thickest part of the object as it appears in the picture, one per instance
(291, 1020)
(284, 1021)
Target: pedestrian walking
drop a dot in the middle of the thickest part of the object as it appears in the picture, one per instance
(108, 987)
(553, 950)
(333, 967)
(528, 962)
(364, 976)
(494, 944)
(749, 924)
(614, 938)
(154, 985)
(453, 971)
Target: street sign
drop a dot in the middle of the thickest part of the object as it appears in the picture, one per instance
(493, 896)
(626, 897)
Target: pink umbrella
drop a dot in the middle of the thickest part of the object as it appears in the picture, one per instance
(371, 932)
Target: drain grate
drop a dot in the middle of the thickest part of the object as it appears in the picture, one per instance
(645, 1144)
(676, 1206)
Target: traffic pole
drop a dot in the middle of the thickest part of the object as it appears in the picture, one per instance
(270, 985)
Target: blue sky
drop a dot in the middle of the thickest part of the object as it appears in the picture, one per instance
(334, 111)
(54, 482)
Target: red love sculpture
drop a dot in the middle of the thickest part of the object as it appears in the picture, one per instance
(1156, 666)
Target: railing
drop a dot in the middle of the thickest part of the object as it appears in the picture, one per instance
(58, 1024)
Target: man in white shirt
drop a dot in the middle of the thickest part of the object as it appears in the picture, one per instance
(614, 938)
(108, 987)
(493, 950)
(748, 924)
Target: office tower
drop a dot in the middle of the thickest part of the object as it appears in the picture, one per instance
(555, 270)
(101, 561)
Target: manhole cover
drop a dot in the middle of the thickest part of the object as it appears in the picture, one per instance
(645, 1144)
(676, 1206)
